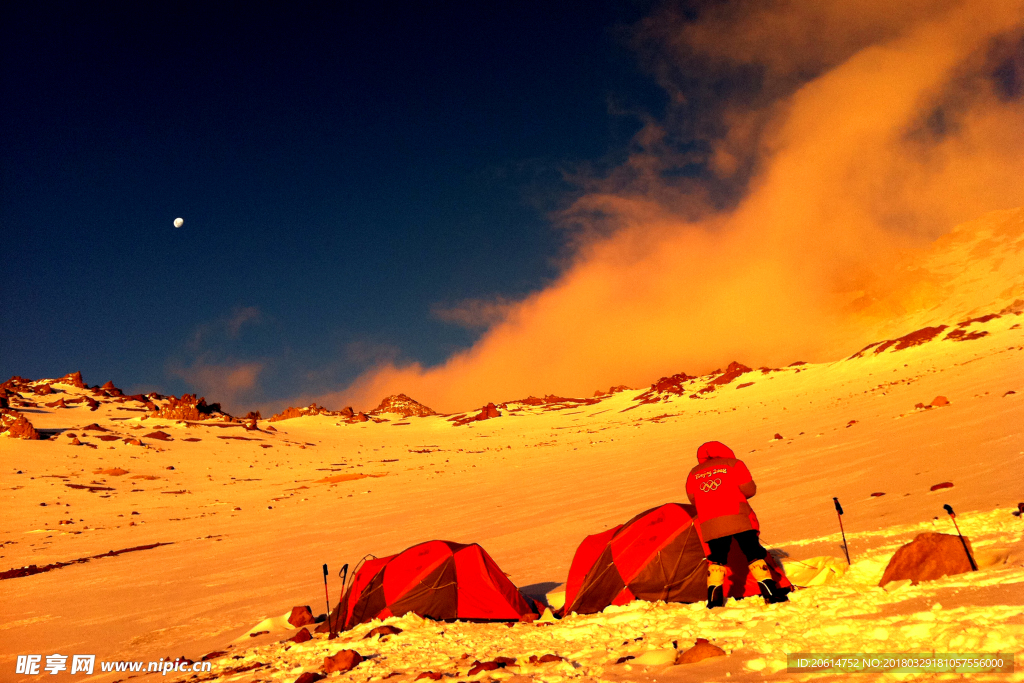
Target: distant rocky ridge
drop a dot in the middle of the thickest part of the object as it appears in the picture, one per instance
(347, 413)
(71, 390)
(68, 391)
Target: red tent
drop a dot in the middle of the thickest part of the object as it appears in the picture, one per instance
(657, 555)
(437, 580)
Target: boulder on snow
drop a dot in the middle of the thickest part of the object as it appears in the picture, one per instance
(344, 660)
(701, 650)
(301, 616)
(301, 637)
(928, 557)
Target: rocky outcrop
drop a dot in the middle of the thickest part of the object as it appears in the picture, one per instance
(16, 425)
(915, 338)
(732, 372)
(665, 387)
(486, 413)
(928, 557)
(552, 402)
(188, 407)
(400, 404)
(72, 379)
(312, 409)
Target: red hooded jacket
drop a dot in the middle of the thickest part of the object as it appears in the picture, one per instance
(719, 486)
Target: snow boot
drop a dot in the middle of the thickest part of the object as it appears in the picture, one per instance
(770, 590)
(716, 591)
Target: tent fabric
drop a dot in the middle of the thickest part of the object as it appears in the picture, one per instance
(588, 552)
(437, 580)
(657, 555)
(816, 571)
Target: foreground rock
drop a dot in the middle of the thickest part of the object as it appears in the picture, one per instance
(343, 661)
(702, 650)
(301, 616)
(928, 557)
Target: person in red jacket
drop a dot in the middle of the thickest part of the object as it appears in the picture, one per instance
(720, 486)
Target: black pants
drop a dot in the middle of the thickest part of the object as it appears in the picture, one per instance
(748, 542)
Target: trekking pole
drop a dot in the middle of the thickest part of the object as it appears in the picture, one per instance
(839, 513)
(952, 515)
(344, 575)
(327, 596)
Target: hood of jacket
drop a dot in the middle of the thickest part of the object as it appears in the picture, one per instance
(714, 449)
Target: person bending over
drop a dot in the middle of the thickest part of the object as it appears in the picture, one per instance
(720, 486)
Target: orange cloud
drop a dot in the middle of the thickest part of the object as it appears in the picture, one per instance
(475, 313)
(898, 137)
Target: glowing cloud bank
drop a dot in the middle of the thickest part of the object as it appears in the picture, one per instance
(889, 124)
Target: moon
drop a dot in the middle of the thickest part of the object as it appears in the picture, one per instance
(178, 222)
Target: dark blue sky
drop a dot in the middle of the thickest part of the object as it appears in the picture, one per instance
(342, 169)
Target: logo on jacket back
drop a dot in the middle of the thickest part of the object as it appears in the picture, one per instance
(711, 473)
(709, 486)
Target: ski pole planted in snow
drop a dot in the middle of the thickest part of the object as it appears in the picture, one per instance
(327, 596)
(952, 515)
(343, 573)
(839, 513)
